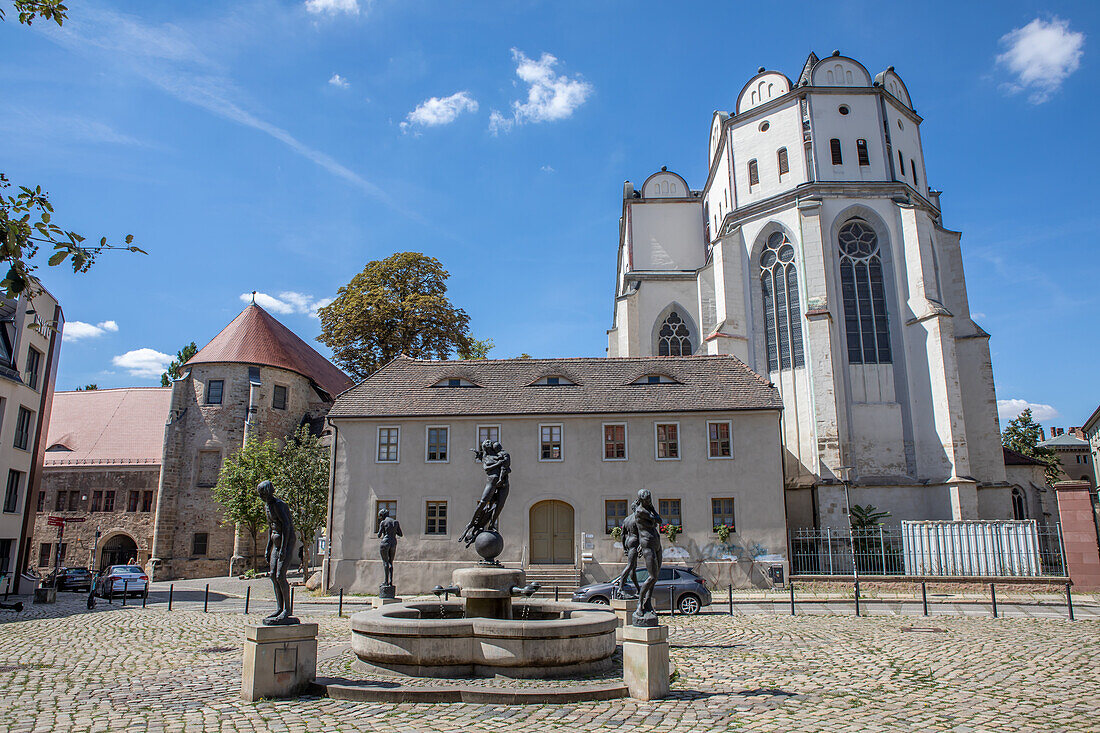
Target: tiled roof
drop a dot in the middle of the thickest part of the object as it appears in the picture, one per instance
(108, 427)
(255, 337)
(1014, 458)
(404, 387)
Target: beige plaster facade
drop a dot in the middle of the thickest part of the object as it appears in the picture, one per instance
(582, 482)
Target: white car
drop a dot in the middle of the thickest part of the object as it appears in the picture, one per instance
(120, 579)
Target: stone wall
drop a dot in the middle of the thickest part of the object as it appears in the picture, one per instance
(197, 440)
(80, 536)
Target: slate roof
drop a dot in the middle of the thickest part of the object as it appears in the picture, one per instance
(405, 387)
(1065, 440)
(108, 427)
(1014, 458)
(256, 337)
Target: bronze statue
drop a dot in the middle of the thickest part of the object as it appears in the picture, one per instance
(641, 540)
(497, 464)
(280, 546)
(389, 529)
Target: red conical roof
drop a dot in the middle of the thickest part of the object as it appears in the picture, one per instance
(255, 337)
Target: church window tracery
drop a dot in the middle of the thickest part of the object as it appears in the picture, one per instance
(674, 339)
(861, 284)
(782, 315)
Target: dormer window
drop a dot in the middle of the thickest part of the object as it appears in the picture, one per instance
(655, 379)
(454, 382)
(59, 448)
(554, 381)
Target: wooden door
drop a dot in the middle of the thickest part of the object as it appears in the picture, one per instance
(551, 533)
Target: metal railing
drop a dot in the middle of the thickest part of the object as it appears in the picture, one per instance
(931, 549)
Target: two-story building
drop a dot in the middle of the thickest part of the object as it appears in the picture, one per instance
(584, 435)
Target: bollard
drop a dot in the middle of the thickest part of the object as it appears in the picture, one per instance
(1069, 602)
(555, 594)
(125, 590)
(206, 598)
(792, 598)
(247, 598)
(145, 595)
(731, 598)
(292, 600)
(111, 593)
(340, 612)
(671, 603)
(993, 595)
(924, 596)
(857, 597)
(171, 587)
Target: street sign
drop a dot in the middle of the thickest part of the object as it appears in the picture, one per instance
(58, 521)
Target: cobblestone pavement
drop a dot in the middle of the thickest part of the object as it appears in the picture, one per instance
(65, 669)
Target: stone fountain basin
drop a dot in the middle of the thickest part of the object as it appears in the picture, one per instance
(433, 639)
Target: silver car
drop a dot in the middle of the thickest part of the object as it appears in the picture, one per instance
(119, 579)
(680, 585)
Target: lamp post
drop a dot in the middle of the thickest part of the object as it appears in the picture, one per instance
(845, 476)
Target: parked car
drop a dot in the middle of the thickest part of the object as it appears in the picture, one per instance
(74, 579)
(119, 579)
(683, 586)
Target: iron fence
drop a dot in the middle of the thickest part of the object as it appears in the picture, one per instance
(925, 549)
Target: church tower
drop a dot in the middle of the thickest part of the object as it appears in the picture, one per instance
(816, 253)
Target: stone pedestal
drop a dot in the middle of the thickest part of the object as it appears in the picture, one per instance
(279, 661)
(645, 661)
(488, 589)
(45, 595)
(1079, 534)
(623, 608)
(379, 601)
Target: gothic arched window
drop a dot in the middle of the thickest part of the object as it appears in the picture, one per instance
(674, 339)
(782, 316)
(1019, 509)
(865, 321)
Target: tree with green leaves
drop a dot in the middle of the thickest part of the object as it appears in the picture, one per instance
(866, 517)
(394, 306)
(241, 472)
(87, 388)
(477, 349)
(1023, 434)
(301, 480)
(176, 367)
(26, 217)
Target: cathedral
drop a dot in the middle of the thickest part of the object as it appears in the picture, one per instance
(815, 252)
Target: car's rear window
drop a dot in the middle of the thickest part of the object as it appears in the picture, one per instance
(126, 569)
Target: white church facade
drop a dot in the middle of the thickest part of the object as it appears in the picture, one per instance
(815, 252)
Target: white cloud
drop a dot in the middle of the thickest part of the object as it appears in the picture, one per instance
(144, 362)
(288, 302)
(979, 316)
(339, 81)
(1010, 409)
(76, 330)
(332, 7)
(550, 96)
(547, 169)
(1041, 55)
(439, 110)
(498, 123)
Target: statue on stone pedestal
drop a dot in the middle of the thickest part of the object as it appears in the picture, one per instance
(483, 527)
(280, 548)
(641, 541)
(389, 529)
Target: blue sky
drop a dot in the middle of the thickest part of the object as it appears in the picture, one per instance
(279, 146)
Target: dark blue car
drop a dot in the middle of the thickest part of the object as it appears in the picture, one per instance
(681, 585)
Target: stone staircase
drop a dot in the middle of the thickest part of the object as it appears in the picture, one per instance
(564, 577)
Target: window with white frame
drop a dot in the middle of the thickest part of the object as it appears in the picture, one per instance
(390, 505)
(435, 517)
(719, 439)
(721, 513)
(488, 432)
(550, 442)
(668, 441)
(388, 445)
(614, 442)
(614, 514)
(437, 444)
(669, 509)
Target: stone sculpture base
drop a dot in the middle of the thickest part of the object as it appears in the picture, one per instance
(643, 620)
(623, 608)
(279, 661)
(45, 595)
(645, 662)
(379, 601)
(387, 591)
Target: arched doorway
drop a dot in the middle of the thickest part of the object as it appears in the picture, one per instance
(552, 533)
(118, 550)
